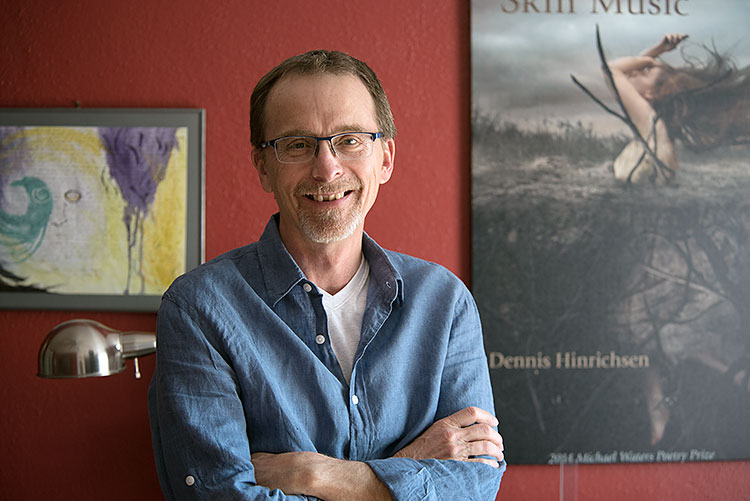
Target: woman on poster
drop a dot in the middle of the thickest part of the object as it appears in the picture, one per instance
(703, 104)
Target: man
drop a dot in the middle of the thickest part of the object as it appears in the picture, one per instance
(314, 363)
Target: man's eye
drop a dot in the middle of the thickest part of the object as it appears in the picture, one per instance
(298, 144)
(349, 141)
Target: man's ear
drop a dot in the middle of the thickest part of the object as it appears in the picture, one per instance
(258, 158)
(389, 158)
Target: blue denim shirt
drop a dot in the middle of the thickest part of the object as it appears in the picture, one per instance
(244, 364)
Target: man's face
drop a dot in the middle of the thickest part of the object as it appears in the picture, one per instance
(322, 105)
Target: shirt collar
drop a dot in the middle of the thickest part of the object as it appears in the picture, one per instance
(281, 273)
(385, 275)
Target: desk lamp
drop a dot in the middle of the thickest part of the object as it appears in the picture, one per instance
(85, 348)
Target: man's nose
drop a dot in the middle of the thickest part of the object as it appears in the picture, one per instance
(326, 165)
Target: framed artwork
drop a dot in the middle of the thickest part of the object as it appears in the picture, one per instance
(611, 226)
(100, 209)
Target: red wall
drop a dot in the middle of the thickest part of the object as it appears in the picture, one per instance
(89, 439)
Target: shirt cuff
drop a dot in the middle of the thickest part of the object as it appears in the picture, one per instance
(406, 478)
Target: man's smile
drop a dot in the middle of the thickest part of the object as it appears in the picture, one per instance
(328, 198)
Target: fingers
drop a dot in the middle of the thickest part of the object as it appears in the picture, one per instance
(477, 439)
(476, 434)
(673, 39)
(471, 415)
(490, 462)
(482, 432)
(460, 449)
(677, 38)
(485, 448)
(464, 436)
(481, 440)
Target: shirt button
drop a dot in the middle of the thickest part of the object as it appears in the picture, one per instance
(320, 339)
(189, 480)
(307, 287)
(355, 399)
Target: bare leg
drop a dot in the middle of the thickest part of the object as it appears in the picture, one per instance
(658, 411)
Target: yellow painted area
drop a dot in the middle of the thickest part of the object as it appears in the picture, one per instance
(75, 255)
(85, 247)
(165, 228)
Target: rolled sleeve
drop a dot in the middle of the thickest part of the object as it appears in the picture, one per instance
(198, 425)
(434, 479)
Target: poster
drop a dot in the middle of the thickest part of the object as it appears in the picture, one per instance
(611, 226)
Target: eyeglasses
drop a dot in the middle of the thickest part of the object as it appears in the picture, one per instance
(299, 149)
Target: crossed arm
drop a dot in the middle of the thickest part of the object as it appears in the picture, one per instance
(466, 435)
(202, 437)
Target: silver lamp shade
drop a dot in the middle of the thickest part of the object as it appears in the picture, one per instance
(85, 348)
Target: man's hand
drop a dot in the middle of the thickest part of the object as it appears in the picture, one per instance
(313, 474)
(463, 436)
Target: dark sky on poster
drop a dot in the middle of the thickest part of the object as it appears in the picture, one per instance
(522, 62)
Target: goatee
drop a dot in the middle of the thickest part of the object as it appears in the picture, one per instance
(327, 225)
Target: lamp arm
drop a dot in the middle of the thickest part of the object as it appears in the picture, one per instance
(137, 344)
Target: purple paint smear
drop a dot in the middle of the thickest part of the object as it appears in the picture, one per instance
(137, 159)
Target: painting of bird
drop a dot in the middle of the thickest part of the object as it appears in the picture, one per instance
(21, 234)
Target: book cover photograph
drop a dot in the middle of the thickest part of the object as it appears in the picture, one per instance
(611, 226)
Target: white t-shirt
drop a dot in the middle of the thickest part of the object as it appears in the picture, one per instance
(345, 310)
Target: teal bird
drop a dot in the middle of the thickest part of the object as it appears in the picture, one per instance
(22, 234)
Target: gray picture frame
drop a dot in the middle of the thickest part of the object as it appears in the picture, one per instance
(193, 120)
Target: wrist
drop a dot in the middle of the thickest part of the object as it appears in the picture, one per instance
(334, 479)
(320, 475)
(655, 51)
